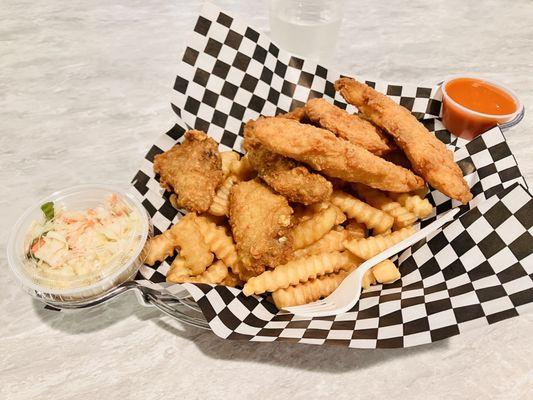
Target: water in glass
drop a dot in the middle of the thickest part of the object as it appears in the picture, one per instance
(308, 28)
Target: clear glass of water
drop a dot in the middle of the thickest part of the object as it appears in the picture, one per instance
(308, 28)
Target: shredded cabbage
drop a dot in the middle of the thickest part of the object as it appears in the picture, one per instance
(76, 244)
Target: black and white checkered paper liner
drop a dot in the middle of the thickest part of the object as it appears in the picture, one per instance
(231, 73)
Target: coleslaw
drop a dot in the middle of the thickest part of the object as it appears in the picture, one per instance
(70, 248)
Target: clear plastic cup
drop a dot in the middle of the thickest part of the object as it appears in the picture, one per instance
(307, 28)
(123, 267)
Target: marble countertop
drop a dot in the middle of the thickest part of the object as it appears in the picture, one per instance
(85, 89)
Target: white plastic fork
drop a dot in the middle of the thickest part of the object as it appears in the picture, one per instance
(349, 291)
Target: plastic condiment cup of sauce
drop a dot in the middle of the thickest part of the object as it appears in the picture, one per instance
(471, 106)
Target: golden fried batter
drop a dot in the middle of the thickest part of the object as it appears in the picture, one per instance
(428, 155)
(353, 128)
(297, 114)
(287, 177)
(259, 220)
(193, 170)
(335, 157)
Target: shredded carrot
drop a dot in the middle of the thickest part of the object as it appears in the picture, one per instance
(37, 245)
(88, 224)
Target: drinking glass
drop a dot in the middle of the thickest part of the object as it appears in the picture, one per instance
(308, 28)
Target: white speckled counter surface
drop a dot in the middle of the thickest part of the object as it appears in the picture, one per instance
(85, 88)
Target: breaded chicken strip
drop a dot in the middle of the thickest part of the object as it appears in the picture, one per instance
(193, 170)
(428, 155)
(286, 176)
(347, 126)
(259, 219)
(297, 114)
(335, 157)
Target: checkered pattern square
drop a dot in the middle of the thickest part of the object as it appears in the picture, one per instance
(476, 270)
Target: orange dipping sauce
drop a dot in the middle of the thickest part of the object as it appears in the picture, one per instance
(472, 106)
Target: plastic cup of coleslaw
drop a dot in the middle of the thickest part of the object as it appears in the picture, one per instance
(96, 277)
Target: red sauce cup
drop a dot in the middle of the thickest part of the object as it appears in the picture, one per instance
(467, 123)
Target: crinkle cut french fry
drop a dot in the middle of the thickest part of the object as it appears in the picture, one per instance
(160, 247)
(340, 217)
(193, 247)
(309, 291)
(219, 242)
(368, 279)
(331, 241)
(373, 218)
(417, 205)
(220, 203)
(356, 230)
(227, 157)
(177, 269)
(300, 270)
(214, 274)
(311, 230)
(376, 198)
(386, 272)
(371, 246)
(242, 169)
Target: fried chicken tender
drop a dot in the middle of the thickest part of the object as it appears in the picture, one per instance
(353, 128)
(287, 177)
(260, 220)
(232, 280)
(325, 152)
(299, 114)
(398, 157)
(193, 170)
(428, 155)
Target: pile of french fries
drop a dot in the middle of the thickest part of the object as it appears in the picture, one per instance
(330, 240)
